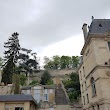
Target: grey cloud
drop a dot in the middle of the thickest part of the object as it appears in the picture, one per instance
(43, 22)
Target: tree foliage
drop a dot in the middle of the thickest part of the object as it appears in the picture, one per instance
(1, 61)
(34, 82)
(73, 86)
(45, 78)
(57, 62)
(27, 64)
(15, 61)
(23, 79)
(11, 57)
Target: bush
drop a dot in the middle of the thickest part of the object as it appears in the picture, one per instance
(73, 83)
(73, 96)
(49, 82)
(34, 82)
(45, 78)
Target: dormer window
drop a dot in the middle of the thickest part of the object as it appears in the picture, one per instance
(100, 25)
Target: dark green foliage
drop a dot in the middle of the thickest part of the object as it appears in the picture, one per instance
(56, 61)
(24, 57)
(45, 78)
(11, 57)
(73, 85)
(34, 82)
(27, 65)
(73, 95)
(74, 76)
(49, 82)
(31, 63)
(75, 61)
(8, 73)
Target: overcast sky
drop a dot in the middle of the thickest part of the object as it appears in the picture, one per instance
(49, 27)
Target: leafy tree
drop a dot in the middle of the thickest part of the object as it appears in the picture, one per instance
(56, 61)
(73, 95)
(75, 61)
(46, 60)
(49, 65)
(23, 79)
(11, 57)
(49, 82)
(45, 77)
(27, 65)
(34, 82)
(74, 76)
(62, 62)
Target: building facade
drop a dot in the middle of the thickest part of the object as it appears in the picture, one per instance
(17, 102)
(43, 94)
(94, 71)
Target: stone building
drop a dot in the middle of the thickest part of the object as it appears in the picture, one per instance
(17, 102)
(94, 71)
(44, 95)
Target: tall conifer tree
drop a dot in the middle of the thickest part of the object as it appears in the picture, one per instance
(11, 56)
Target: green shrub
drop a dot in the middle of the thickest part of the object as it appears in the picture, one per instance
(34, 82)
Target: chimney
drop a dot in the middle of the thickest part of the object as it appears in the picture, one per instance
(84, 28)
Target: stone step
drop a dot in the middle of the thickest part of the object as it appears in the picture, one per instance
(60, 97)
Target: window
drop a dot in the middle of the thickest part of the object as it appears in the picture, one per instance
(100, 25)
(85, 86)
(19, 108)
(87, 98)
(45, 97)
(109, 45)
(84, 100)
(93, 86)
(93, 108)
(82, 88)
(83, 71)
(98, 108)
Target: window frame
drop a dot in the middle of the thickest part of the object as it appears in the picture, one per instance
(93, 86)
(87, 98)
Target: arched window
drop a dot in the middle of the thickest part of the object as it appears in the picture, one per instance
(93, 86)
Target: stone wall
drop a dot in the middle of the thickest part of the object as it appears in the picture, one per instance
(6, 89)
(64, 74)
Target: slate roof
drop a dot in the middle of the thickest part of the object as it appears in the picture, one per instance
(99, 26)
(16, 98)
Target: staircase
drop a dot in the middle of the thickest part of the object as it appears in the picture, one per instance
(60, 97)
